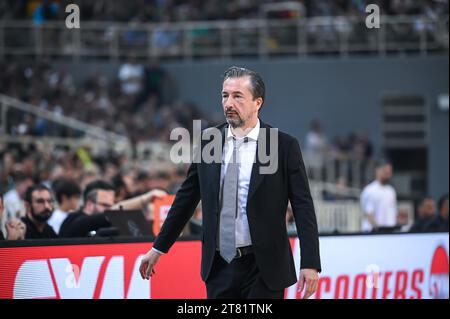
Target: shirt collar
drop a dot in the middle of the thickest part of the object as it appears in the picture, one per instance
(253, 134)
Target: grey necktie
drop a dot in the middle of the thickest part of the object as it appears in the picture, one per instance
(227, 227)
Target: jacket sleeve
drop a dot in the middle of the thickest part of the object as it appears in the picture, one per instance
(183, 207)
(85, 224)
(303, 209)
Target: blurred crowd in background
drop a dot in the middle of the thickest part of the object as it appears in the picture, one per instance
(195, 10)
(133, 103)
(141, 102)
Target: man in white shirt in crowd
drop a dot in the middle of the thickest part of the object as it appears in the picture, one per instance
(379, 200)
(68, 194)
(14, 199)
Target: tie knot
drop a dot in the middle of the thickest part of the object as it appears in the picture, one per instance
(240, 141)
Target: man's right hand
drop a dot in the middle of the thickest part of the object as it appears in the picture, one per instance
(148, 263)
(15, 230)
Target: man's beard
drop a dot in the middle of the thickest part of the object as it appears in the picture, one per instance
(235, 122)
(43, 216)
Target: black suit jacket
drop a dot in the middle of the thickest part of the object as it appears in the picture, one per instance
(266, 210)
(79, 224)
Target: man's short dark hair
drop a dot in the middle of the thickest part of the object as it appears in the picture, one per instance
(32, 188)
(118, 181)
(258, 88)
(65, 187)
(382, 162)
(92, 188)
(19, 177)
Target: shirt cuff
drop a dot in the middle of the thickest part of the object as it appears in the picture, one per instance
(158, 251)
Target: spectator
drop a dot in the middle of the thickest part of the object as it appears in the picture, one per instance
(426, 211)
(315, 150)
(68, 194)
(403, 220)
(440, 222)
(379, 200)
(40, 205)
(97, 197)
(14, 199)
(15, 229)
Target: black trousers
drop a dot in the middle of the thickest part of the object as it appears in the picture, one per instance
(239, 279)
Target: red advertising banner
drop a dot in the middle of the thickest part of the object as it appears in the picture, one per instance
(99, 271)
(414, 266)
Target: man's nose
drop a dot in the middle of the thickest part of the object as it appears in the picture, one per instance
(228, 101)
(229, 106)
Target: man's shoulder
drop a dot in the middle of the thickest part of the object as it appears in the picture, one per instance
(73, 216)
(67, 225)
(11, 195)
(371, 187)
(58, 215)
(391, 188)
(49, 232)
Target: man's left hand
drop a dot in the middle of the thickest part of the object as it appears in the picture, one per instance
(309, 278)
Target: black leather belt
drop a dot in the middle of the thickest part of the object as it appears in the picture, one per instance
(242, 251)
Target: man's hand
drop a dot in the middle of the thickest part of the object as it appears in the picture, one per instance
(309, 278)
(15, 230)
(148, 263)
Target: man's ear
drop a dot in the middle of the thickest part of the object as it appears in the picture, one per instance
(259, 103)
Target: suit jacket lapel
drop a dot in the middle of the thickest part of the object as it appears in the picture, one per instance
(256, 177)
(215, 170)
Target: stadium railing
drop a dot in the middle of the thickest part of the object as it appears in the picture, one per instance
(97, 139)
(260, 38)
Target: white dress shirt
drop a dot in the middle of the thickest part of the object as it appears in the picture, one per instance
(380, 201)
(246, 156)
(57, 219)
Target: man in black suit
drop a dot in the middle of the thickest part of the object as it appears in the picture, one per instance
(98, 196)
(259, 263)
